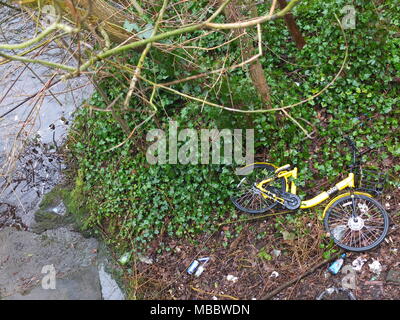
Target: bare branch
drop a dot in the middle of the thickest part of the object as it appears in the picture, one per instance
(143, 56)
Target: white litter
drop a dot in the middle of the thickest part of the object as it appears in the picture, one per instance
(363, 207)
(125, 258)
(339, 231)
(274, 274)
(144, 259)
(358, 263)
(276, 252)
(232, 278)
(375, 267)
(330, 290)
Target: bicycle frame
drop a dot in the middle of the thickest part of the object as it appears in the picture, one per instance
(345, 183)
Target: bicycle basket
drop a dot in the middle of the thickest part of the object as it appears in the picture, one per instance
(371, 181)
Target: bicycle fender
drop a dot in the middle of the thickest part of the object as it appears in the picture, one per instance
(341, 196)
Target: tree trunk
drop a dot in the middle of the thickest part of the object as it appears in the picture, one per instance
(256, 71)
(292, 26)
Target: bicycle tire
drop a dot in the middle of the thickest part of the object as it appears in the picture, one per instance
(366, 233)
(247, 197)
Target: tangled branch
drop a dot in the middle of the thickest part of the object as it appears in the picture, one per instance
(207, 24)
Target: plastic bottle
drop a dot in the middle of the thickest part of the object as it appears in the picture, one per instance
(199, 271)
(335, 267)
(193, 266)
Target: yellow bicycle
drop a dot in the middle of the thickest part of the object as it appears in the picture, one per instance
(353, 219)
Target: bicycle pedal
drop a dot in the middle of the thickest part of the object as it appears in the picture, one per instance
(292, 201)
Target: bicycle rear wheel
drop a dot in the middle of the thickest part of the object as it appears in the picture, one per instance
(362, 233)
(247, 197)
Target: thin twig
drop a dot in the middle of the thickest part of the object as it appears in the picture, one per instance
(143, 56)
(295, 280)
(215, 294)
(203, 101)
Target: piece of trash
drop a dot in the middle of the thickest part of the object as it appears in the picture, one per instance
(196, 268)
(358, 263)
(375, 267)
(335, 267)
(146, 260)
(363, 208)
(125, 258)
(193, 266)
(204, 260)
(349, 279)
(336, 294)
(232, 278)
(276, 252)
(330, 290)
(339, 231)
(274, 274)
(214, 298)
(199, 271)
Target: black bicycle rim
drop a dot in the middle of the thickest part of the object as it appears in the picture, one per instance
(249, 197)
(357, 234)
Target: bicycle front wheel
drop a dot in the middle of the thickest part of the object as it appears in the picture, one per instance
(247, 197)
(360, 232)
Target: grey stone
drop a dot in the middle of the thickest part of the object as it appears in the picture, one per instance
(80, 285)
(109, 287)
(24, 254)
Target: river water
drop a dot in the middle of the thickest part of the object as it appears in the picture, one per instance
(33, 125)
(39, 125)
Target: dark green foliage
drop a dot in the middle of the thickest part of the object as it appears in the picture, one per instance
(362, 103)
(139, 201)
(136, 202)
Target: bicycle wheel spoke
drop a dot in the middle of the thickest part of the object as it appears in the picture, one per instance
(361, 221)
(346, 235)
(248, 197)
